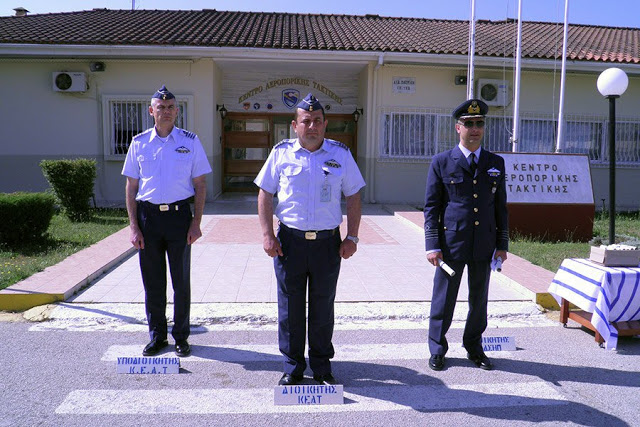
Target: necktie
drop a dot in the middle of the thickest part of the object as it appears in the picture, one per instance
(472, 164)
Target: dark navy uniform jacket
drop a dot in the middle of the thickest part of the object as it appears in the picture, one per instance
(466, 217)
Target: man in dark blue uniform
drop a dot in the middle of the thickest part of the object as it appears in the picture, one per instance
(309, 174)
(165, 166)
(465, 224)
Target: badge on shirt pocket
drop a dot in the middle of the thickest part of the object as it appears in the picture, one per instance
(325, 192)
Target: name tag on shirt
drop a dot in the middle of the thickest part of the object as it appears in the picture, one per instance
(325, 193)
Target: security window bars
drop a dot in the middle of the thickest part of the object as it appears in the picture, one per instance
(627, 142)
(415, 134)
(419, 134)
(584, 137)
(126, 117)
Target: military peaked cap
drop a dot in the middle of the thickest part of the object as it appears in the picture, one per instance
(470, 109)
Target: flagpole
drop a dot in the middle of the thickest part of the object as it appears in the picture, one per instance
(516, 90)
(560, 141)
(472, 49)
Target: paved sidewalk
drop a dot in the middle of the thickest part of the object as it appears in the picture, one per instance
(229, 265)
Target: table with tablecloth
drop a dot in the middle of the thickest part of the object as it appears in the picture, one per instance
(611, 294)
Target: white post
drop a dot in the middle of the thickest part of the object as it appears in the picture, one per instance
(560, 141)
(516, 90)
(472, 49)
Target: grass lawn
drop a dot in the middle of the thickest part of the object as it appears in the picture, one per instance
(549, 255)
(63, 239)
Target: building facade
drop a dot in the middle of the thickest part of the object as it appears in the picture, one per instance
(78, 85)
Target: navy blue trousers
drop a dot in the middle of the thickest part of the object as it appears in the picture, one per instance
(165, 237)
(443, 302)
(316, 263)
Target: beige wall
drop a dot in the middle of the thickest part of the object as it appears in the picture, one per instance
(49, 124)
(434, 88)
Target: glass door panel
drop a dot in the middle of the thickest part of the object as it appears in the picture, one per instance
(246, 144)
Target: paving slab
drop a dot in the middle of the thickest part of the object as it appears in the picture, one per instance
(229, 265)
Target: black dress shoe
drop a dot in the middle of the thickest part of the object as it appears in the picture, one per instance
(183, 349)
(290, 379)
(324, 378)
(436, 362)
(481, 361)
(154, 347)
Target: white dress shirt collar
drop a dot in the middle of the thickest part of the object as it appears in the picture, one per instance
(468, 152)
(154, 134)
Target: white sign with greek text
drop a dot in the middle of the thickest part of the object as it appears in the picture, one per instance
(404, 85)
(308, 394)
(148, 365)
(498, 343)
(548, 178)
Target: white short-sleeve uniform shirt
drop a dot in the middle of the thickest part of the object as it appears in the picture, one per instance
(165, 167)
(309, 185)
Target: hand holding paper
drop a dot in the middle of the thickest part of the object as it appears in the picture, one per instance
(443, 265)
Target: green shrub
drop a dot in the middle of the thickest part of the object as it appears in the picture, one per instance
(25, 217)
(72, 183)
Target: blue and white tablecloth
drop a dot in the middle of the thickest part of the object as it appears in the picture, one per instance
(612, 294)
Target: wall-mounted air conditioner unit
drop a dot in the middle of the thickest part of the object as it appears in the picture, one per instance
(493, 92)
(66, 81)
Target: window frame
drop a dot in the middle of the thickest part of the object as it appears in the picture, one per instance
(596, 150)
(432, 125)
(108, 140)
(605, 145)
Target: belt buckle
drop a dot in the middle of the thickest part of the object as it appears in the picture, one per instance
(164, 208)
(310, 235)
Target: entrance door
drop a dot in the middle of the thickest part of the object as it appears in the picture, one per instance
(343, 128)
(248, 138)
(246, 142)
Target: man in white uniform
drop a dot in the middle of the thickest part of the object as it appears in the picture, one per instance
(165, 166)
(309, 174)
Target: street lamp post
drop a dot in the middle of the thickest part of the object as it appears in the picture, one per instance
(612, 83)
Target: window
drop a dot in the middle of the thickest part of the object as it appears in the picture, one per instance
(627, 142)
(537, 136)
(126, 116)
(584, 137)
(418, 134)
(497, 133)
(415, 134)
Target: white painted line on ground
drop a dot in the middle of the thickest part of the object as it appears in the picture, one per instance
(270, 352)
(357, 399)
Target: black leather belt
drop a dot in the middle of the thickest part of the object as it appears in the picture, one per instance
(311, 234)
(165, 207)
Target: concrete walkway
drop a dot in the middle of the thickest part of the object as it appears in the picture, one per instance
(229, 265)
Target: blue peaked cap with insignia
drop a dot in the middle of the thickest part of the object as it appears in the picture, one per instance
(310, 103)
(470, 109)
(163, 93)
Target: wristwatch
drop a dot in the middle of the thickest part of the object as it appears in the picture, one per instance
(354, 239)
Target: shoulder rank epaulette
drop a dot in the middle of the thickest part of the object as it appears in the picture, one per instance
(283, 143)
(338, 144)
(188, 134)
(142, 133)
